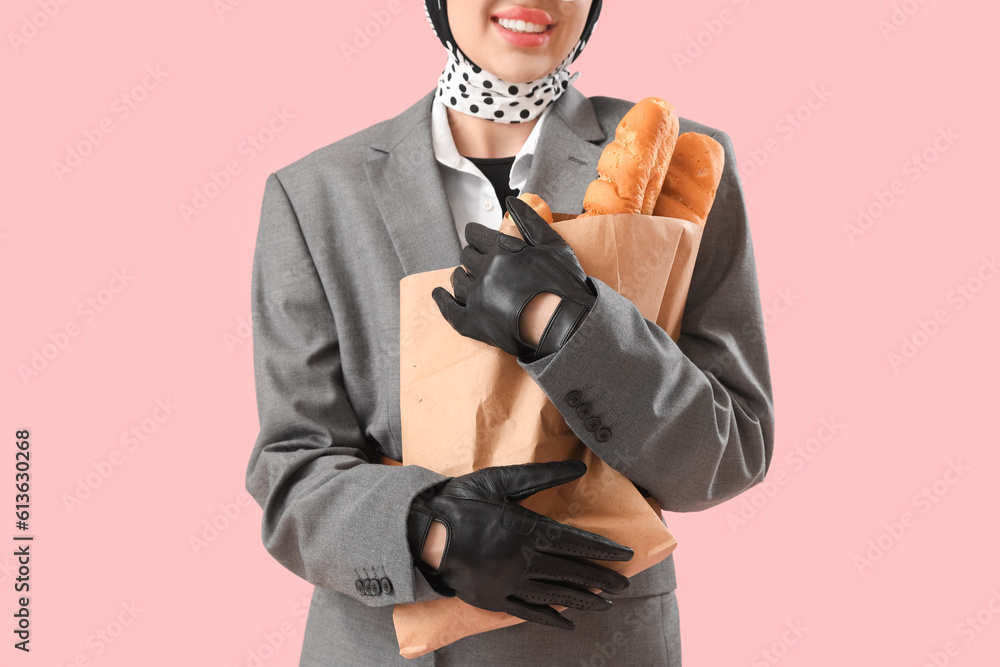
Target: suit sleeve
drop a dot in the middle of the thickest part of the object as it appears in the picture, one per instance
(331, 512)
(692, 422)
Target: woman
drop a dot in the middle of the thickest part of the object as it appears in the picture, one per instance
(691, 422)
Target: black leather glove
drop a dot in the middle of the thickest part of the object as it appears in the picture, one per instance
(503, 273)
(501, 556)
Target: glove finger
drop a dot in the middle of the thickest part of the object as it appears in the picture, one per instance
(548, 592)
(544, 566)
(533, 227)
(472, 260)
(451, 310)
(600, 576)
(536, 231)
(520, 481)
(572, 541)
(460, 283)
(537, 613)
(481, 237)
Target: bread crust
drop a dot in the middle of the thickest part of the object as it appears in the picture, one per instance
(633, 166)
(692, 179)
(648, 169)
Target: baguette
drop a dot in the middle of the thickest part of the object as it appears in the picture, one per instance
(633, 166)
(649, 169)
(692, 179)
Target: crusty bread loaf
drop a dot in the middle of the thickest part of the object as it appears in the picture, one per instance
(633, 166)
(649, 169)
(692, 178)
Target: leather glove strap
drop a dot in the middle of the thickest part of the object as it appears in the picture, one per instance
(566, 318)
(418, 525)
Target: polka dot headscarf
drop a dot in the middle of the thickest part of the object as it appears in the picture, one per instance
(466, 87)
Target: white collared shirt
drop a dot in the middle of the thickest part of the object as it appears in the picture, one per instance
(470, 193)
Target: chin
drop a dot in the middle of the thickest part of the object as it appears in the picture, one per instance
(514, 77)
(522, 73)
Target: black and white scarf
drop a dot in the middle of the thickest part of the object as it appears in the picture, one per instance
(466, 87)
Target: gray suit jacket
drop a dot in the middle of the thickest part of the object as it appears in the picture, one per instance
(692, 422)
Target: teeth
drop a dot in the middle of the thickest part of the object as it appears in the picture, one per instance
(521, 26)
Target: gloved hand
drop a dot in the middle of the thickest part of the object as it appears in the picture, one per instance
(503, 273)
(501, 556)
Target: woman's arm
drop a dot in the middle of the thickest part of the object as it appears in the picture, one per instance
(692, 421)
(330, 513)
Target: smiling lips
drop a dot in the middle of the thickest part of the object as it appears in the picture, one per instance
(524, 27)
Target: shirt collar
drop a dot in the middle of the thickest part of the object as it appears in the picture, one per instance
(448, 155)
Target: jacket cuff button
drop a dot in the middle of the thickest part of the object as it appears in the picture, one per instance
(386, 585)
(603, 434)
(592, 424)
(573, 398)
(360, 585)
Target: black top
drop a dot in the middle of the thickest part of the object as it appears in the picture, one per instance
(497, 170)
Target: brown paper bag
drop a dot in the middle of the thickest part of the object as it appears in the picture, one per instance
(466, 405)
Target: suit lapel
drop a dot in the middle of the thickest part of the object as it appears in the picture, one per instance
(565, 159)
(409, 192)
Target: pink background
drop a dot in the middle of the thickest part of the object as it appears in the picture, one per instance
(838, 305)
